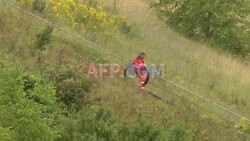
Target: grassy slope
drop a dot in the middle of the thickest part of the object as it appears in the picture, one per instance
(218, 77)
(114, 94)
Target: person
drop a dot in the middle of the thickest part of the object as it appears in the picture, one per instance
(140, 70)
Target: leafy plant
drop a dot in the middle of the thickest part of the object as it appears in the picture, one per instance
(71, 88)
(223, 23)
(39, 5)
(129, 29)
(22, 117)
(44, 38)
(140, 129)
(82, 15)
(5, 134)
(25, 3)
(90, 125)
(178, 132)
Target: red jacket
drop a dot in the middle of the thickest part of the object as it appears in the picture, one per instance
(139, 66)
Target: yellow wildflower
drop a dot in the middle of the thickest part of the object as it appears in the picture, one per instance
(92, 11)
(83, 7)
(25, 3)
(59, 4)
(242, 124)
(70, 2)
(51, 1)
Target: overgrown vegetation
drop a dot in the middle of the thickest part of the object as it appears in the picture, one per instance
(87, 16)
(30, 111)
(51, 103)
(72, 88)
(224, 24)
(39, 5)
(54, 100)
(44, 38)
(28, 108)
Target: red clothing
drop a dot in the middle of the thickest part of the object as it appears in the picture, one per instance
(140, 71)
(141, 80)
(139, 66)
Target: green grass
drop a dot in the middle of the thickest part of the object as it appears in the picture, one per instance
(200, 68)
(221, 78)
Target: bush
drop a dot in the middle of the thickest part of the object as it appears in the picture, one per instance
(128, 29)
(102, 125)
(26, 117)
(178, 132)
(70, 92)
(223, 23)
(90, 126)
(44, 38)
(248, 134)
(85, 15)
(5, 134)
(24, 3)
(39, 5)
(139, 129)
(37, 89)
(71, 88)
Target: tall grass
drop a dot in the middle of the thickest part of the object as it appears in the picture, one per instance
(186, 63)
(220, 77)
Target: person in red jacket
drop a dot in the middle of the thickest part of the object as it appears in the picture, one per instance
(140, 70)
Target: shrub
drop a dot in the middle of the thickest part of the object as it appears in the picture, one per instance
(25, 3)
(44, 38)
(178, 132)
(22, 117)
(130, 30)
(71, 88)
(90, 125)
(5, 134)
(29, 82)
(87, 16)
(139, 129)
(248, 133)
(225, 23)
(38, 90)
(70, 92)
(39, 5)
(101, 125)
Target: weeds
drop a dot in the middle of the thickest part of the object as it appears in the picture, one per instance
(44, 38)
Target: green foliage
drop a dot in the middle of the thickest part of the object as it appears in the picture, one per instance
(143, 130)
(102, 125)
(71, 87)
(140, 129)
(247, 133)
(44, 38)
(224, 23)
(86, 15)
(178, 132)
(25, 117)
(24, 3)
(36, 89)
(29, 112)
(29, 82)
(5, 134)
(88, 125)
(39, 5)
